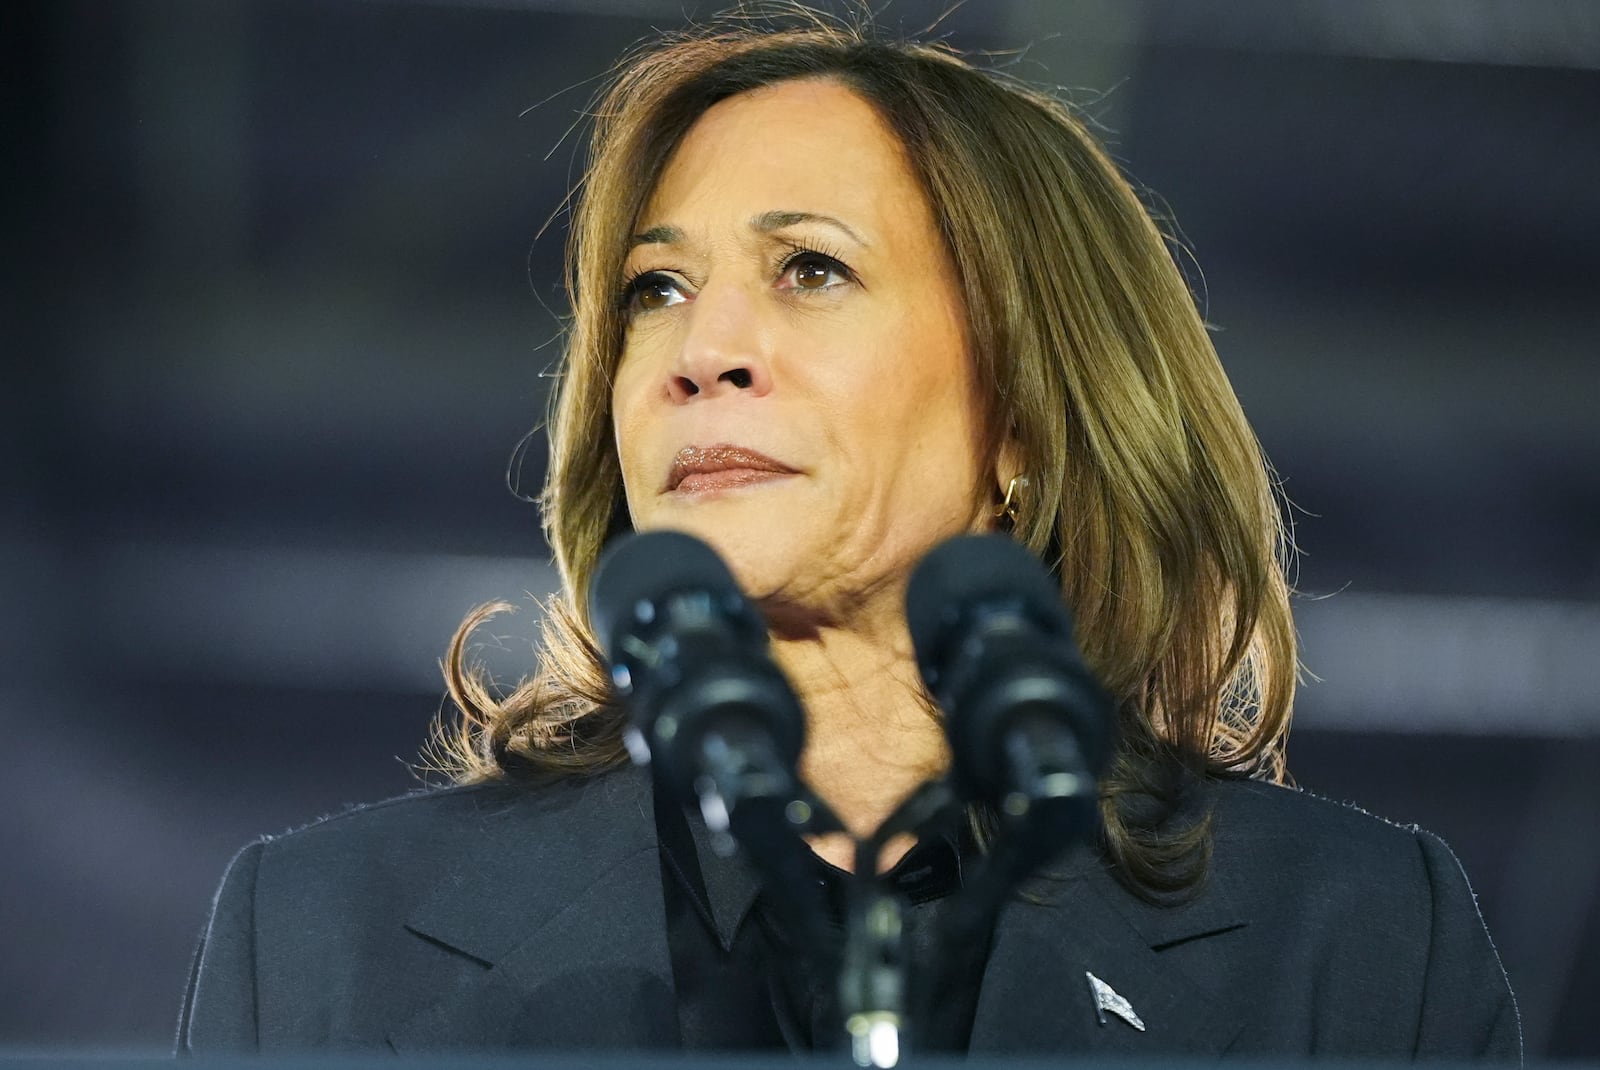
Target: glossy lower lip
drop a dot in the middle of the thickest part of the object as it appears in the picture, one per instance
(701, 484)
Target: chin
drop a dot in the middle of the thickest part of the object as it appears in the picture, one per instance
(762, 547)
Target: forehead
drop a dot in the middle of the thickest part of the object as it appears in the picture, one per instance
(805, 145)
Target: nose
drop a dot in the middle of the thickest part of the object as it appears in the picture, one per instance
(722, 348)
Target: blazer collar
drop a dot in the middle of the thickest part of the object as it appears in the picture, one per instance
(1037, 995)
(555, 903)
(721, 888)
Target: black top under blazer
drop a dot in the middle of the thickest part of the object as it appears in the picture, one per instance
(501, 916)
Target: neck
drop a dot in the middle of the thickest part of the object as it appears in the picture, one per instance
(870, 739)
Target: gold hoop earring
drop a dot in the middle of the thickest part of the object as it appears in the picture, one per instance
(1013, 501)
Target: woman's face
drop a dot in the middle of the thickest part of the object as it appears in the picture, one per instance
(795, 386)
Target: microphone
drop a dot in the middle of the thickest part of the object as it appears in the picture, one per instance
(1028, 724)
(1027, 721)
(688, 655)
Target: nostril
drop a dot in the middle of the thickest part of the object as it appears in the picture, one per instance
(686, 385)
(739, 377)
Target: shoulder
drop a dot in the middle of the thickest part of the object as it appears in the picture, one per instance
(429, 822)
(375, 853)
(1369, 905)
(1300, 827)
(1298, 854)
(334, 890)
(418, 892)
(1277, 837)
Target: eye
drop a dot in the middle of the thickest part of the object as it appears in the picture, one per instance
(807, 269)
(649, 291)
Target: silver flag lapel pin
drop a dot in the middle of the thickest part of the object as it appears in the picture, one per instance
(1107, 999)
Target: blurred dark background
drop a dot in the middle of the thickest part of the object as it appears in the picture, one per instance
(275, 316)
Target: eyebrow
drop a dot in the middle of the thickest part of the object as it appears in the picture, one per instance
(658, 236)
(765, 223)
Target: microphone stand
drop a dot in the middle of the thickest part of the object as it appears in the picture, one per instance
(873, 986)
(747, 800)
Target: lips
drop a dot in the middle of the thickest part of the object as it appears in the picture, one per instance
(703, 468)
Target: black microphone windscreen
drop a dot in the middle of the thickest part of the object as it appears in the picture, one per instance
(646, 568)
(971, 569)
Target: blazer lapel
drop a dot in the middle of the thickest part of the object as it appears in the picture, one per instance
(554, 925)
(1037, 995)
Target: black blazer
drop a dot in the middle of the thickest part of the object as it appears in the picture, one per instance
(498, 916)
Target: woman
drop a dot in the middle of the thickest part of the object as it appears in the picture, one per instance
(835, 301)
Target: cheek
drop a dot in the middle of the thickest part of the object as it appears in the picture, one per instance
(907, 433)
(943, 432)
(923, 393)
(628, 421)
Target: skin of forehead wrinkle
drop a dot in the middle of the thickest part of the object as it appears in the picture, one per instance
(764, 223)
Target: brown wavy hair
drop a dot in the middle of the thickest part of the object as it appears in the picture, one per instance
(1149, 496)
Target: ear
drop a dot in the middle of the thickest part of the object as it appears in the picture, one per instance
(1009, 463)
